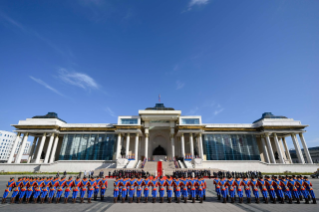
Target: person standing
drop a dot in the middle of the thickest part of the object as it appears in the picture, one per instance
(97, 187)
(10, 184)
(138, 185)
(161, 188)
(244, 183)
(103, 186)
(68, 184)
(83, 188)
(145, 184)
(116, 189)
(75, 185)
(254, 185)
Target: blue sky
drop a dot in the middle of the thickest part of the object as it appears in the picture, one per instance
(92, 60)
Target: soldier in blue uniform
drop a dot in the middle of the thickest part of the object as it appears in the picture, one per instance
(131, 189)
(244, 183)
(231, 183)
(262, 186)
(308, 186)
(285, 189)
(67, 190)
(217, 186)
(103, 186)
(97, 187)
(145, 184)
(161, 189)
(10, 184)
(138, 185)
(83, 188)
(184, 189)
(116, 190)
(239, 189)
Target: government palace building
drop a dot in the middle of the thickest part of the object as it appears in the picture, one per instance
(160, 133)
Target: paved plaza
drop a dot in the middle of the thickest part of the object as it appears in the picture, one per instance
(211, 204)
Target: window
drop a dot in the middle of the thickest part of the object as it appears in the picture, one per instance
(128, 121)
(230, 147)
(190, 121)
(88, 147)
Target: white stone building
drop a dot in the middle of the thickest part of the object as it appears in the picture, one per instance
(6, 140)
(157, 133)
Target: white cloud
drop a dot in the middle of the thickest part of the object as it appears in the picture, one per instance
(78, 79)
(34, 33)
(193, 111)
(110, 112)
(179, 84)
(46, 85)
(196, 2)
(218, 110)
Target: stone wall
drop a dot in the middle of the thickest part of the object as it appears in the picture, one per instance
(61, 166)
(241, 166)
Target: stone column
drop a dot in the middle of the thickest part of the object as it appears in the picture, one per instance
(265, 149)
(271, 153)
(286, 149)
(40, 148)
(136, 147)
(173, 146)
(191, 144)
(14, 147)
(200, 149)
(281, 159)
(297, 148)
(282, 149)
(118, 148)
(127, 145)
(22, 146)
(32, 149)
(55, 145)
(46, 159)
(305, 148)
(183, 145)
(146, 146)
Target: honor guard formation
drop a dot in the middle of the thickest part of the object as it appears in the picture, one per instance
(129, 187)
(281, 188)
(47, 188)
(126, 188)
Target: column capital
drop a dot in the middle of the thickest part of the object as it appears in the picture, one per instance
(146, 135)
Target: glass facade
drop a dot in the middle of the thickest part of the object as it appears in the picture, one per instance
(129, 121)
(88, 147)
(190, 121)
(230, 147)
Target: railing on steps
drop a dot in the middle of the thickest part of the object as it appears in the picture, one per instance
(181, 164)
(175, 163)
(143, 163)
(138, 164)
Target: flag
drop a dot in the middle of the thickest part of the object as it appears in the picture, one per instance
(159, 97)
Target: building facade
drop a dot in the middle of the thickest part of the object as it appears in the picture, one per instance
(6, 141)
(313, 151)
(160, 132)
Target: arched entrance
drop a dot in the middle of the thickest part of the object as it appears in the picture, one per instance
(159, 148)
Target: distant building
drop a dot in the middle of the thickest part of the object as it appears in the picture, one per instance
(314, 154)
(6, 141)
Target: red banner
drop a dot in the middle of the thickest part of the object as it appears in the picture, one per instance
(159, 168)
